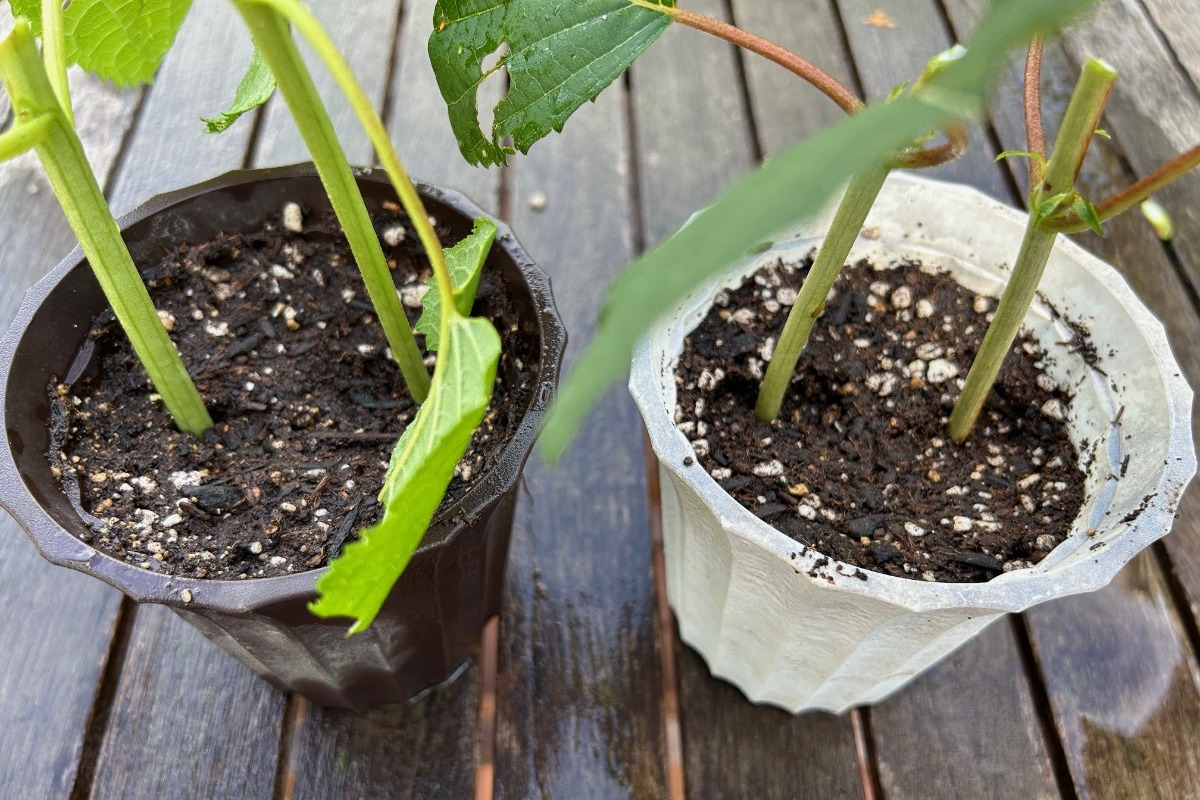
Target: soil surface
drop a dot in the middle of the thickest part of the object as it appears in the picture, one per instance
(859, 466)
(281, 339)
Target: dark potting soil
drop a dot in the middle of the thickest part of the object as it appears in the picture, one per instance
(277, 330)
(858, 466)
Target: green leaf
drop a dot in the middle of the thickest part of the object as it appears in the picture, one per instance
(792, 185)
(1046, 207)
(422, 465)
(122, 41)
(1087, 213)
(1038, 157)
(1102, 133)
(255, 88)
(1158, 217)
(465, 262)
(561, 54)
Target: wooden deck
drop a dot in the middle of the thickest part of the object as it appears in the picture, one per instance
(1096, 696)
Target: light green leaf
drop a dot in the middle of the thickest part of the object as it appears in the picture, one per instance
(122, 41)
(255, 88)
(1047, 206)
(465, 261)
(422, 465)
(1038, 157)
(561, 54)
(1087, 213)
(793, 185)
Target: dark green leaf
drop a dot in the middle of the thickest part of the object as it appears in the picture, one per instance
(465, 261)
(1087, 213)
(561, 54)
(422, 465)
(794, 184)
(255, 88)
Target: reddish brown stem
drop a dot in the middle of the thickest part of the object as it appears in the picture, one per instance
(1133, 194)
(1035, 132)
(847, 100)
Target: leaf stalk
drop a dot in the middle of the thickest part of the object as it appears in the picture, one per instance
(1062, 170)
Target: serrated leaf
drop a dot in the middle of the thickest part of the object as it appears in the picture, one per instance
(1087, 213)
(255, 88)
(1047, 206)
(465, 262)
(122, 41)
(421, 467)
(561, 54)
(794, 184)
(1038, 157)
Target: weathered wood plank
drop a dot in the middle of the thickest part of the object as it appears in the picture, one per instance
(187, 721)
(1090, 640)
(888, 56)
(364, 31)
(426, 748)
(55, 641)
(169, 149)
(578, 700)
(176, 686)
(693, 139)
(786, 109)
(1154, 111)
(931, 740)
(1122, 682)
(417, 750)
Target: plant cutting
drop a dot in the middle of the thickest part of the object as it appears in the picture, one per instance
(264, 621)
(827, 594)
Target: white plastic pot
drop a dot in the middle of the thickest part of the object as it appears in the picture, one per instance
(741, 589)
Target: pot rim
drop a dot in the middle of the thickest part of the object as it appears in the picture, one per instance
(60, 547)
(1010, 591)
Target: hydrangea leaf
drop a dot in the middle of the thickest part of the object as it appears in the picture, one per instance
(465, 261)
(255, 88)
(560, 54)
(422, 464)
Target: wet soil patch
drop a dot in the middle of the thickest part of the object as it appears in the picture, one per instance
(282, 341)
(859, 466)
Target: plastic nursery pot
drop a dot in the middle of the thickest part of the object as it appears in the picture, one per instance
(741, 589)
(431, 622)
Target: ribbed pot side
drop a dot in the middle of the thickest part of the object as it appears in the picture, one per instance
(802, 632)
(430, 624)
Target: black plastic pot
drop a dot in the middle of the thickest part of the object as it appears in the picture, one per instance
(431, 622)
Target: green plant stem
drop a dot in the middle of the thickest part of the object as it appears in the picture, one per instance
(1070, 147)
(368, 117)
(271, 35)
(810, 302)
(54, 55)
(75, 185)
(24, 136)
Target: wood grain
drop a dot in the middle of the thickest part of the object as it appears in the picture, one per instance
(175, 686)
(578, 697)
(694, 138)
(365, 32)
(425, 748)
(55, 640)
